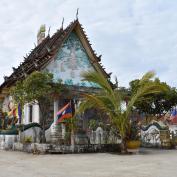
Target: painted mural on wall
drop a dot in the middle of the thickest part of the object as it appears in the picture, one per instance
(8, 104)
(70, 62)
(10, 113)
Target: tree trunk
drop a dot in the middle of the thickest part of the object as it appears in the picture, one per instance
(20, 135)
(124, 146)
(43, 131)
(42, 122)
(72, 140)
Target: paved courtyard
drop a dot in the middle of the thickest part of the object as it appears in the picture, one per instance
(149, 163)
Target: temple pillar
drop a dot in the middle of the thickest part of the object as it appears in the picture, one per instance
(26, 114)
(36, 113)
(72, 132)
(55, 134)
(55, 109)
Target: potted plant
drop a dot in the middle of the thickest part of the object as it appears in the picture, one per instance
(133, 137)
(27, 143)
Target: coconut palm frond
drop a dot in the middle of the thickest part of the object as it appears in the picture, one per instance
(97, 78)
(100, 102)
(148, 88)
(86, 104)
(147, 77)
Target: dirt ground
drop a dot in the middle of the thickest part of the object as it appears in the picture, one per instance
(148, 163)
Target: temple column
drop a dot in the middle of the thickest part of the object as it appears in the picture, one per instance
(73, 133)
(26, 114)
(36, 113)
(54, 128)
(55, 110)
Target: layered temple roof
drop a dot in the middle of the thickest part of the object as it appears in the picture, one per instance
(41, 55)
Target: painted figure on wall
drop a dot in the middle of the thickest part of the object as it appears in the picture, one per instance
(70, 62)
(10, 113)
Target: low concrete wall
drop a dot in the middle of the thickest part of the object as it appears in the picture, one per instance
(95, 141)
(37, 148)
(33, 132)
(151, 137)
(7, 141)
(156, 136)
(31, 147)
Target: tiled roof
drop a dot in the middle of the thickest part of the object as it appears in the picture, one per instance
(44, 52)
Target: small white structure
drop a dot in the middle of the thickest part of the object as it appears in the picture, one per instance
(99, 136)
(151, 136)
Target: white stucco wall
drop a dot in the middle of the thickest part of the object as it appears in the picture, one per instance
(33, 132)
(26, 114)
(6, 141)
(35, 114)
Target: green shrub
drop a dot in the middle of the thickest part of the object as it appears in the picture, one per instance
(28, 139)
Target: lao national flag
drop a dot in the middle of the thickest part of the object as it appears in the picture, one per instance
(173, 116)
(64, 113)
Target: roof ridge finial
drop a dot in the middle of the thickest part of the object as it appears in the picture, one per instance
(49, 31)
(77, 13)
(62, 23)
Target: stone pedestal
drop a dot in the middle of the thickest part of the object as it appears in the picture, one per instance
(55, 135)
(55, 130)
(63, 130)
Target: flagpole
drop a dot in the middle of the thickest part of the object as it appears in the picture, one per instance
(72, 131)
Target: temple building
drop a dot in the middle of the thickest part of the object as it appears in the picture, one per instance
(65, 54)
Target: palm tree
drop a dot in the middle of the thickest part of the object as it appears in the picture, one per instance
(109, 100)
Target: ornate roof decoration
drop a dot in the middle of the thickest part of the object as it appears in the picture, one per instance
(46, 50)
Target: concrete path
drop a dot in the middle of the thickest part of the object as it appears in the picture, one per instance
(149, 163)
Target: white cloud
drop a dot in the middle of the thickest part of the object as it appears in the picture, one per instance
(133, 36)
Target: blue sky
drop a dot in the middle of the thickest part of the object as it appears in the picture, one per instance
(133, 36)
